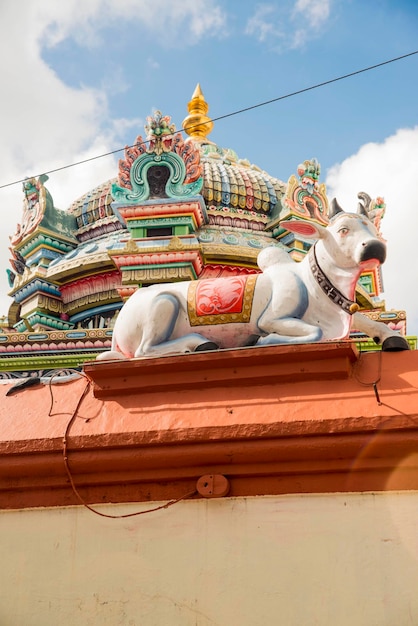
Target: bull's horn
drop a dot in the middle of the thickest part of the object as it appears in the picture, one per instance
(364, 205)
(335, 208)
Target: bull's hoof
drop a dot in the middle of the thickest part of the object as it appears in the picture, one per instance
(396, 343)
(207, 346)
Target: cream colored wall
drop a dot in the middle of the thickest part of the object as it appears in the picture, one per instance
(292, 560)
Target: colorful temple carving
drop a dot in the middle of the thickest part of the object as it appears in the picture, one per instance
(179, 209)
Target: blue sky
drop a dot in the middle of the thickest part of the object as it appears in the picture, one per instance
(79, 79)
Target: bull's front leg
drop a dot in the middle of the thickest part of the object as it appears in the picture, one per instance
(390, 340)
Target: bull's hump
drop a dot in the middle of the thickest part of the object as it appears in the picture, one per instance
(272, 255)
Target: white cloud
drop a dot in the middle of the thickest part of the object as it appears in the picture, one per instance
(262, 25)
(193, 19)
(388, 169)
(314, 12)
(310, 17)
(289, 26)
(83, 21)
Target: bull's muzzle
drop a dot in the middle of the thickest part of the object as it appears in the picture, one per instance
(373, 250)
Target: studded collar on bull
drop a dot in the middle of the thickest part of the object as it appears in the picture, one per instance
(332, 292)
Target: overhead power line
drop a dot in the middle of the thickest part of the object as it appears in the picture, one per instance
(239, 111)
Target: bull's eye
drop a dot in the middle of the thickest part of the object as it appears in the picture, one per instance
(343, 231)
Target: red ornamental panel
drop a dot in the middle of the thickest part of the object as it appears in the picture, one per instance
(221, 300)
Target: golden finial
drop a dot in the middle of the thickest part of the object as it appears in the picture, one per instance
(198, 125)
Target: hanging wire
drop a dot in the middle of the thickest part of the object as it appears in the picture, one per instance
(371, 383)
(71, 479)
(59, 373)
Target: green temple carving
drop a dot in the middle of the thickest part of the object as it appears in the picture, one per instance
(165, 166)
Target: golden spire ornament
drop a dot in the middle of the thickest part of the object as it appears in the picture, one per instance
(197, 124)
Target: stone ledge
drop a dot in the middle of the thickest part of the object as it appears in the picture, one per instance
(223, 368)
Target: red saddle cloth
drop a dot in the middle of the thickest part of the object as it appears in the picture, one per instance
(221, 300)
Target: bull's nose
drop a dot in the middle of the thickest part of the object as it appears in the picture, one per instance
(373, 250)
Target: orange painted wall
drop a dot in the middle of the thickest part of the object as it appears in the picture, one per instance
(272, 420)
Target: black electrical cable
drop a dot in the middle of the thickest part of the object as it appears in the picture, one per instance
(71, 479)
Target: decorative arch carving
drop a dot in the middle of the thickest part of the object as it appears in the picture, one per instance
(165, 148)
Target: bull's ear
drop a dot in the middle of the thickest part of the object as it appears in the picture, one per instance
(307, 230)
(334, 209)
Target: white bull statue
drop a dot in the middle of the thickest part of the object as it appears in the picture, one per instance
(287, 303)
